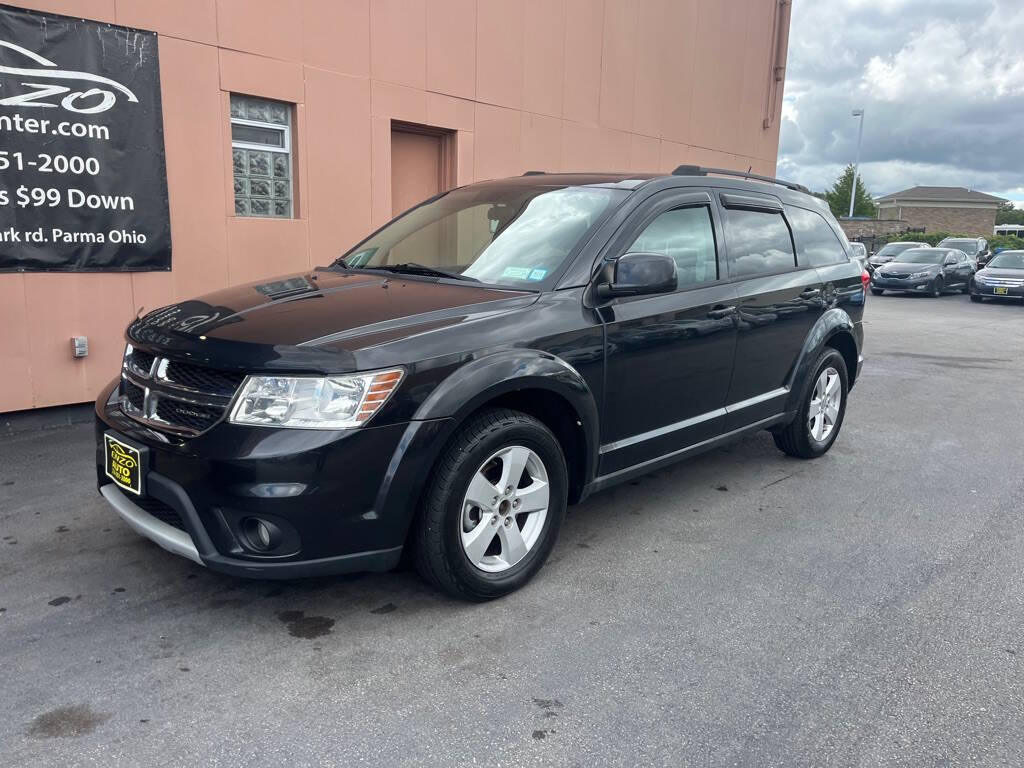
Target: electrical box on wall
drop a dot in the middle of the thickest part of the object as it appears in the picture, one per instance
(79, 346)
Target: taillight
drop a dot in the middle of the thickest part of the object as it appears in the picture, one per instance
(865, 280)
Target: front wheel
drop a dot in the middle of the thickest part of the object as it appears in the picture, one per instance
(494, 507)
(821, 411)
(976, 298)
(877, 291)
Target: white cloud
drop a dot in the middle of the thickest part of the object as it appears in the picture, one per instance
(942, 82)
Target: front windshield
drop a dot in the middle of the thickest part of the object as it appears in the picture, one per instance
(894, 248)
(505, 234)
(1008, 260)
(922, 256)
(970, 247)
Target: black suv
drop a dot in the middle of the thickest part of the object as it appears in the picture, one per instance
(489, 356)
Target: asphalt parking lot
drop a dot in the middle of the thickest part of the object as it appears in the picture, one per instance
(744, 608)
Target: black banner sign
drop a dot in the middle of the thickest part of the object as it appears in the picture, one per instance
(83, 185)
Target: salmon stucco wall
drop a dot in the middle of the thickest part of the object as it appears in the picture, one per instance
(557, 85)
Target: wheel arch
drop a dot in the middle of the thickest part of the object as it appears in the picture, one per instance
(533, 382)
(835, 329)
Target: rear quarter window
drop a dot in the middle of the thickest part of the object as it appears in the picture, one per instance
(816, 243)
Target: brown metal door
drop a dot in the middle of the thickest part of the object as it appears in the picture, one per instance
(416, 170)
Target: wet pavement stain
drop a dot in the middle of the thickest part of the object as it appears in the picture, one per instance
(306, 627)
(386, 608)
(64, 722)
(60, 600)
(722, 488)
(61, 529)
(540, 735)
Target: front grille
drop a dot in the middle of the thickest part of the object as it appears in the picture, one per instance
(172, 396)
(140, 362)
(135, 394)
(1009, 282)
(162, 512)
(895, 275)
(202, 379)
(195, 417)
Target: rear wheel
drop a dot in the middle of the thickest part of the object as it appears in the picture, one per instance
(494, 508)
(967, 287)
(937, 287)
(821, 411)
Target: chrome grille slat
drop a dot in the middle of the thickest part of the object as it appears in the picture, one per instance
(1009, 282)
(168, 405)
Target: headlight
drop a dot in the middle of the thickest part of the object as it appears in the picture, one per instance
(314, 402)
(979, 279)
(918, 275)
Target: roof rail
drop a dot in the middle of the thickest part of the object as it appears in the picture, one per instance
(696, 170)
(535, 173)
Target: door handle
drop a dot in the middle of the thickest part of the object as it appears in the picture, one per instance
(720, 311)
(811, 293)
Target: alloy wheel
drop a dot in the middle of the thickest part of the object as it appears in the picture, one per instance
(826, 398)
(504, 509)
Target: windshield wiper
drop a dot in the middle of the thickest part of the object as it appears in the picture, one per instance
(412, 268)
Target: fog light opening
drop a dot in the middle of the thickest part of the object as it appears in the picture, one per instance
(261, 535)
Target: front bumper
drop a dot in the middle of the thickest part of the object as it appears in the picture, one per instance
(1012, 291)
(920, 284)
(341, 500)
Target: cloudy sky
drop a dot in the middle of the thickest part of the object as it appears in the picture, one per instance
(942, 82)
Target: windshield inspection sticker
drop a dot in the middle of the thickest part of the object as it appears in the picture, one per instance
(538, 274)
(519, 273)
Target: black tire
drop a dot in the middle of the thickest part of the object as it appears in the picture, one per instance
(877, 291)
(966, 288)
(795, 438)
(937, 287)
(439, 555)
(976, 298)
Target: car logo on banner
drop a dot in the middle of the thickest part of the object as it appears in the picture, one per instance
(45, 95)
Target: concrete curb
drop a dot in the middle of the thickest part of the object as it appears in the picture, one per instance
(19, 422)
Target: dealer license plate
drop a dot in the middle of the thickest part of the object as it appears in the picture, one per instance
(123, 464)
(1000, 290)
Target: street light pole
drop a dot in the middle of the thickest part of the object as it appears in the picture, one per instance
(856, 163)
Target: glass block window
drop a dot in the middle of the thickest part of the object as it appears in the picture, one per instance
(261, 154)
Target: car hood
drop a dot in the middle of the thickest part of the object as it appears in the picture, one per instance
(1017, 274)
(906, 266)
(312, 318)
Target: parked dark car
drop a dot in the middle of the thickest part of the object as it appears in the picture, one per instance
(976, 248)
(924, 270)
(888, 252)
(457, 378)
(1002, 277)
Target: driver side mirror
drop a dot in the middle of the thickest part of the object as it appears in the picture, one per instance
(950, 261)
(637, 274)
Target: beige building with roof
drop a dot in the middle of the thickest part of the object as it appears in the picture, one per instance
(955, 210)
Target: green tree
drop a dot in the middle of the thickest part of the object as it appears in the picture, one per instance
(1008, 214)
(839, 196)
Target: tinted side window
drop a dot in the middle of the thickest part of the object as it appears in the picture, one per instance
(687, 236)
(816, 243)
(759, 242)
